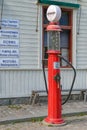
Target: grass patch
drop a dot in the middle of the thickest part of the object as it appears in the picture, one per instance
(39, 119)
(17, 107)
(75, 114)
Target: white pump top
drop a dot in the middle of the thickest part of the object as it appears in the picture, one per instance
(53, 13)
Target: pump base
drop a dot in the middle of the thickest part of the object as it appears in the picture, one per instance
(55, 122)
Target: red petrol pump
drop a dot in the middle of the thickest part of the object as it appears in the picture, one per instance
(54, 90)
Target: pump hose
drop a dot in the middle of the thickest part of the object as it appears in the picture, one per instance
(44, 75)
(72, 81)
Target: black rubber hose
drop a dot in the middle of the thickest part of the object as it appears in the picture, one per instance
(72, 81)
(43, 67)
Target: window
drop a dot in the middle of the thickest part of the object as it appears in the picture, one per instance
(65, 36)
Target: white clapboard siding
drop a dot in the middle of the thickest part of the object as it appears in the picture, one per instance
(67, 77)
(20, 83)
(81, 45)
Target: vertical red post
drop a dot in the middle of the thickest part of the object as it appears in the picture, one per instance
(54, 90)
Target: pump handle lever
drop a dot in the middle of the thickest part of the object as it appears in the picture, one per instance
(57, 77)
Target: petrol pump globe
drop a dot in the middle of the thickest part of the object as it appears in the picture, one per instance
(53, 13)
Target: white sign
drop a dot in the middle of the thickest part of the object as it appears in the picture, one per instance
(10, 23)
(56, 65)
(9, 52)
(9, 42)
(9, 33)
(9, 62)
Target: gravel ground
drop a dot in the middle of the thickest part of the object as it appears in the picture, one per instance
(73, 123)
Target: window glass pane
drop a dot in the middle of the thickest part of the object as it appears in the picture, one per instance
(64, 19)
(64, 39)
(45, 45)
(45, 38)
(65, 55)
(45, 17)
(45, 53)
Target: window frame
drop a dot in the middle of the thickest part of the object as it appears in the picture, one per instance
(69, 27)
